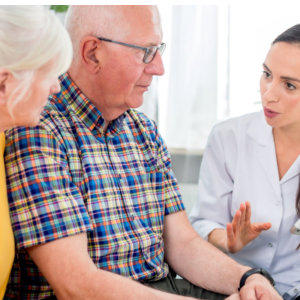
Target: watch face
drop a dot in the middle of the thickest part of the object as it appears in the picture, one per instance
(296, 228)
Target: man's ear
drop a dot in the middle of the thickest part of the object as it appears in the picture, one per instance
(5, 79)
(89, 47)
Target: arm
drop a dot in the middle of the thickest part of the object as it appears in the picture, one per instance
(206, 266)
(72, 274)
(239, 232)
(211, 209)
(217, 214)
(222, 274)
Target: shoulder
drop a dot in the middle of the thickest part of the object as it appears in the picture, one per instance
(238, 126)
(236, 133)
(237, 122)
(56, 117)
(48, 132)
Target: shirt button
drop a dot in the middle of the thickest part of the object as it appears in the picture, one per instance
(270, 245)
(296, 290)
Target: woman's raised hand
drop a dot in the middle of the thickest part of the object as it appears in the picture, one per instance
(241, 231)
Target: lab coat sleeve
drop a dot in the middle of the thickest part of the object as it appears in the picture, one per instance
(212, 209)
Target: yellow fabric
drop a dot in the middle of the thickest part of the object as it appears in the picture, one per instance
(7, 249)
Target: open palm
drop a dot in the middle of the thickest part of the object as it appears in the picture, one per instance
(241, 231)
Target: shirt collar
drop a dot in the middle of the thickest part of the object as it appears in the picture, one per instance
(84, 108)
(260, 131)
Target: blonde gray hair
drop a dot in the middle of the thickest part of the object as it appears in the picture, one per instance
(30, 37)
(95, 20)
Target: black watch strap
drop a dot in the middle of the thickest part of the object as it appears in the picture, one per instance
(256, 271)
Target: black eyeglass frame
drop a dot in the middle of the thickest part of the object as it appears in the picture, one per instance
(152, 50)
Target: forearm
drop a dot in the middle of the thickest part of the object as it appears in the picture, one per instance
(218, 237)
(210, 269)
(109, 286)
(72, 274)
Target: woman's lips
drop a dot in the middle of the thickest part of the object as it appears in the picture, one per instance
(270, 113)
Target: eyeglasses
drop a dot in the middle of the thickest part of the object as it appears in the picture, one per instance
(150, 52)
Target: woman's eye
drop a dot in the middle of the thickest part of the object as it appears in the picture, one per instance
(266, 74)
(290, 86)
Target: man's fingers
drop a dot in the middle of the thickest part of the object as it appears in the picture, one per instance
(234, 296)
(247, 293)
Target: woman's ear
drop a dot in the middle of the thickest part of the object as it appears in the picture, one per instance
(5, 84)
(89, 48)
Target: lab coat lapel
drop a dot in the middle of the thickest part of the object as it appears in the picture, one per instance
(261, 134)
(292, 171)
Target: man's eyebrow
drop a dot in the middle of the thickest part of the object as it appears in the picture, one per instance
(288, 78)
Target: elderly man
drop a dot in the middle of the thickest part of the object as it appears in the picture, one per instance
(92, 196)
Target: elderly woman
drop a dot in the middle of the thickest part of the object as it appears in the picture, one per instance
(35, 50)
(251, 167)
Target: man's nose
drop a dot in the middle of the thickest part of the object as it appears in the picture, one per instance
(156, 66)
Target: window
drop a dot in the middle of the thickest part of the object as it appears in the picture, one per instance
(213, 63)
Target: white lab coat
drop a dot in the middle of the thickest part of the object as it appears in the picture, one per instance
(239, 165)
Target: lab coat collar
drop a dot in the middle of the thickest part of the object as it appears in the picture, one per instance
(259, 130)
(261, 134)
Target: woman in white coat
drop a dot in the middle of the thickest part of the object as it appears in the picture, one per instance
(35, 49)
(249, 179)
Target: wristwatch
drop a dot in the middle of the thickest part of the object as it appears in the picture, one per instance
(255, 271)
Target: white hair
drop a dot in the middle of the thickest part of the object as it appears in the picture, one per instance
(96, 20)
(30, 37)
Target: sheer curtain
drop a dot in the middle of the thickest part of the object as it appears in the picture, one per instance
(193, 93)
(213, 63)
(191, 76)
(252, 30)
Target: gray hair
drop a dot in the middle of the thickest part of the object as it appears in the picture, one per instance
(97, 20)
(30, 37)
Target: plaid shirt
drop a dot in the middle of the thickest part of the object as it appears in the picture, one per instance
(68, 176)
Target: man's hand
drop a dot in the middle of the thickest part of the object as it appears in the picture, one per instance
(235, 296)
(258, 287)
(241, 231)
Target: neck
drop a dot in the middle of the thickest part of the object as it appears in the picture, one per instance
(85, 83)
(287, 136)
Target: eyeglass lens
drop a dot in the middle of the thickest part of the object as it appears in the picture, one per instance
(149, 55)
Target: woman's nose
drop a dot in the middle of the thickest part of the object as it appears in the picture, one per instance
(270, 93)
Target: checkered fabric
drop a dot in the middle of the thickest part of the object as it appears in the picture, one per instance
(68, 176)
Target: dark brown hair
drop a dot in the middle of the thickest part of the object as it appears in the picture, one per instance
(298, 200)
(291, 36)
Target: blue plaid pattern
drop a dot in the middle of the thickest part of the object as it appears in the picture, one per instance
(68, 176)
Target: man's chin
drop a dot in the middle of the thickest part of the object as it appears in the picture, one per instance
(136, 103)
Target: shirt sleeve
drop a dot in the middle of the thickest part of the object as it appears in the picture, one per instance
(44, 202)
(211, 210)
